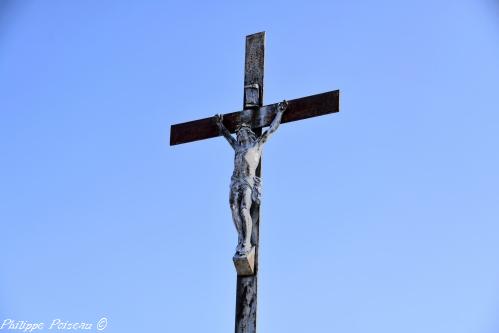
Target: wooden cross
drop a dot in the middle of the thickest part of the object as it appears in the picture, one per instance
(257, 116)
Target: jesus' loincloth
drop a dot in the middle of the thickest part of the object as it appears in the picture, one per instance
(239, 184)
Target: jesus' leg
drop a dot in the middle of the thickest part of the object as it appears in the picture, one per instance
(246, 202)
(234, 207)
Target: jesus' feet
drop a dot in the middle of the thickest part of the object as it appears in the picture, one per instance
(243, 249)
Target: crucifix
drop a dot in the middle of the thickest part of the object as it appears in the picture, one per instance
(245, 185)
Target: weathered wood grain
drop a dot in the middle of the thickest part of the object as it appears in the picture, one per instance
(301, 108)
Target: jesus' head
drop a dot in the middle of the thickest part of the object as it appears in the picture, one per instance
(245, 135)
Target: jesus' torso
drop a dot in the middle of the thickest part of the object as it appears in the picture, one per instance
(246, 161)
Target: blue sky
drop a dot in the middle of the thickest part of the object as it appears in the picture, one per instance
(382, 218)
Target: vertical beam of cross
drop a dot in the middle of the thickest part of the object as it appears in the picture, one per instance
(246, 295)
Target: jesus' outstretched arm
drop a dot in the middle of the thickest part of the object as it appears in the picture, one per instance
(275, 123)
(225, 132)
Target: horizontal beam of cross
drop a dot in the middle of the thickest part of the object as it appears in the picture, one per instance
(301, 108)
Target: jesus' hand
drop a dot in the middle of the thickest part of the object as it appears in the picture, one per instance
(282, 106)
(218, 119)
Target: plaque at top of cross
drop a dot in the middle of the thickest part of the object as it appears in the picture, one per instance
(245, 186)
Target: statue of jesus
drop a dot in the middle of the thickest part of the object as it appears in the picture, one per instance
(245, 185)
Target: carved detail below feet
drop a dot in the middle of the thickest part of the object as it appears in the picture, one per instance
(245, 263)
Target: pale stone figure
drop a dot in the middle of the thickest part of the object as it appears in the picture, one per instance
(245, 186)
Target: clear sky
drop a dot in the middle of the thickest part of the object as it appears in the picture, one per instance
(383, 218)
